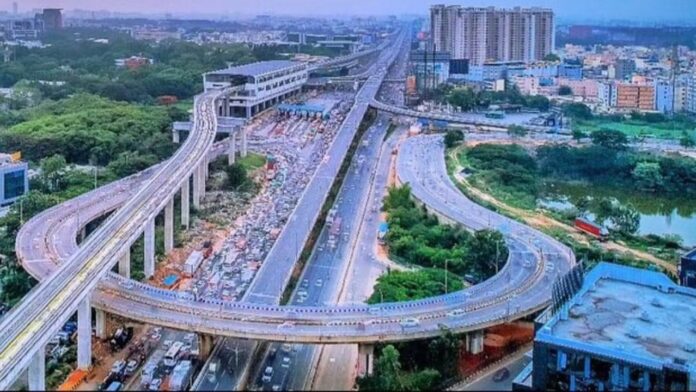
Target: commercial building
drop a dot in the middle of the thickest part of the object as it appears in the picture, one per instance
(622, 329)
(14, 179)
(256, 87)
(635, 96)
(133, 62)
(155, 35)
(664, 96)
(431, 69)
(627, 96)
(490, 34)
(52, 19)
(687, 269)
(622, 69)
(690, 93)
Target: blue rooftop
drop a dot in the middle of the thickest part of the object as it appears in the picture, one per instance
(631, 314)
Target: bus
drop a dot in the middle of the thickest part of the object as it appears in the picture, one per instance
(172, 354)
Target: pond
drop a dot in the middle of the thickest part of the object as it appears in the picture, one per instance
(658, 215)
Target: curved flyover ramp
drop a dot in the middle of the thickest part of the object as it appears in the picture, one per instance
(520, 288)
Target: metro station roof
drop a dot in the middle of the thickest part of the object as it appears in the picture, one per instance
(627, 313)
(257, 68)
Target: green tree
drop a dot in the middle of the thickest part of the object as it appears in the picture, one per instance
(610, 138)
(517, 131)
(578, 135)
(578, 111)
(488, 252)
(538, 102)
(52, 171)
(452, 138)
(463, 98)
(236, 176)
(687, 141)
(443, 353)
(565, 90)
(626, 219)
(648, 176)
(552, 57)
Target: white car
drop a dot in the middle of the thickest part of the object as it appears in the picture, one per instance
(410, 323)
(286, 325)
(456, 313)
(286, 362)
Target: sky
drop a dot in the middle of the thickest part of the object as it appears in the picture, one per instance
(634, 10)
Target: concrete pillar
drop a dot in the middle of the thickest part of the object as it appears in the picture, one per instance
(175, 136)
(84, 335)
(196, 188)
(366, 354)
(100, 323)
(243, 152)
(124, 264)
(474, 342)
(201, 173)
(149, 264)
(37, 371)
(169, 226)
(232, 148)
(83, 234)
(185, 211)
(205, 345)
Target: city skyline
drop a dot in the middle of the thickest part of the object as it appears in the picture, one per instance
(643, 11)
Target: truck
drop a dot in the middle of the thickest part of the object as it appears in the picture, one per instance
(193, 262)
(334, 232)
(591, 228)
(120, 338)
(180, 379)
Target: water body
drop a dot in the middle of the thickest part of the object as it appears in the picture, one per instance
(658, 215)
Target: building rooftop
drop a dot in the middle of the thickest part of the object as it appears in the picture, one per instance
(631, 314)
(258, 68)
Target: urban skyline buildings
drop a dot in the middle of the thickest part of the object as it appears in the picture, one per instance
(492, 34)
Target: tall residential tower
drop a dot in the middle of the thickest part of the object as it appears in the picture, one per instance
(489, 34)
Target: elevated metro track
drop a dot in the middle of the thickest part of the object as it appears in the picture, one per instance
(27, 327)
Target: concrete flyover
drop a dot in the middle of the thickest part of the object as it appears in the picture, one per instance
(522, 287)
(25, 329)
(463, 118)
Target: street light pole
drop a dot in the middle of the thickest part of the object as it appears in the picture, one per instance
(446, 273)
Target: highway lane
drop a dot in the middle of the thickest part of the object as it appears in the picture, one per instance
(268, 286)
(324, 274)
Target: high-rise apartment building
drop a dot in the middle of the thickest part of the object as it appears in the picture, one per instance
(53, 19)
(489, 34)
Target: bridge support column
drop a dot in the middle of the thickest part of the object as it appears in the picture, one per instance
(124, 264)
(474, 342)
(205, 345)
(201, 172)
(232, 148)
(169, 226)
(175, 136)
(366, 355)
(100, 323)
(185, 207)
(37, 371)
(196, 188)
(84, 335)
(243, 151)
(149, 260)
